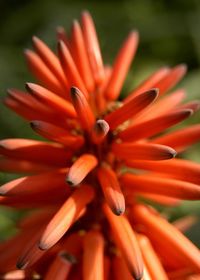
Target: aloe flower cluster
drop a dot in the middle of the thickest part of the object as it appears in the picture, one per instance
(88, 180)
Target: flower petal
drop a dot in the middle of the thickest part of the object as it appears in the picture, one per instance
(55, 102)
(155, 125)
(100, 130)
(51, 61)
(92, 47)
(151, 259)
(150, 82)
(81, 57)
(43, 73)
(57, 134)
(169, 235)
(53, 154)
(80, 169)
(180, 139)
(66, 216)
(70, 69)
(125, 239)
(111, 189)
(60, 267)
(93, 251)
(83, 109)
(121, 66)
(177, 168)
(142, 151)
(158, 185)
(130, 109)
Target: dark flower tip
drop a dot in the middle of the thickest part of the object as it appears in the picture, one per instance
(74, 91)
(118, 211)
(21, 265)
(70, 182)
(70, 258)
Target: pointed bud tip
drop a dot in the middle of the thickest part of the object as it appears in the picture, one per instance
(34, 124)
(188, 112)
(134, 33)
(174, 153)
(61, 47)
(70, 182)
(70, 258)
(118, 211)
(60, 28)
(85, 13)
(29, 86)
(42, 246)
(101, 125)
(74, 90)
(35, 39)
(21, 265)
(10, 91)
(154, 92)
(2, 192)
(27, 51)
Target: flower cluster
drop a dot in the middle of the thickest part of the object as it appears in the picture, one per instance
(85, 183)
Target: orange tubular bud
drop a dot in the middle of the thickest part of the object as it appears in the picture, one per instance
(92, 47)
(66, 216)
(20, 108)
(27, 106)
(31, 103)
(73, 244)
(180, 139)
(81, 57)
(140, 151)
(111, 189)
(93, 251)
(130, 109)
(160, 199)
(54, 102)
(162, 106)
(13, 275)
(51, 60)
(194, 277)
(171, 79)
(185, 223)
(168, 235)
(58, 134)
(158, 185)
(36, 151)
(150, 82)
(83, 110)
(11, 165)
(80, 169)
(61, 35)
(177, 168)
(60, 267)
(36, 184)
(107, 267)
(151, 260)
(42, 72)
(193, 105)
(70, 68)
(125, 239)
(121, 66)
(120, 269)
(99, 132)
(139, 131)
(30, 256)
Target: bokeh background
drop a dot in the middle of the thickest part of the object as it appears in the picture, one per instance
(169, 35)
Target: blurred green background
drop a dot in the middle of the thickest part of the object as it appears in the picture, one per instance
(169, 35)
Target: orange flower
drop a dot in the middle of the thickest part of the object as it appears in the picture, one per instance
(99, 157)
